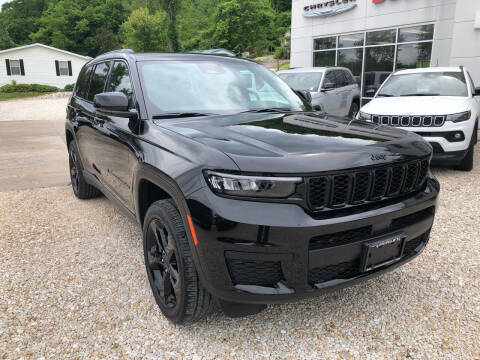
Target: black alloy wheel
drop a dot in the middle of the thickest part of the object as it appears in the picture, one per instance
(74, 169)
(81, 188)
(162, 264)
(171, 271)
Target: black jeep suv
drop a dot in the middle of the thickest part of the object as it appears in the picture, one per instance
(246, 196)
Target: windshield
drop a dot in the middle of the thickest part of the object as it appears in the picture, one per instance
(425, 84)
(213, 87)
(302, 81)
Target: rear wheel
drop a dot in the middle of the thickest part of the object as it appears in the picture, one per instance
(171, 272)
(80, 187)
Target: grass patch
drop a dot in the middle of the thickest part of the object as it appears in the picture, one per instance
(19, 95)
(285, 65)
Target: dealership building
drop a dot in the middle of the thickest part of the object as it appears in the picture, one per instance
(375, 37)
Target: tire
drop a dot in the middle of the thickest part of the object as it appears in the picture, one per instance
(171, 271)
(80, 187)
(467, 163)
(354, 108)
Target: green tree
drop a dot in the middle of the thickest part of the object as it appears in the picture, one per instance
(84, 26)
(241, 25)
(282, 5)
(171, 8)
(6, 40)
(192, 28)
(19, 17)
(145, 32)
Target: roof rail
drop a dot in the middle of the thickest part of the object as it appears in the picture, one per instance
(129, 51)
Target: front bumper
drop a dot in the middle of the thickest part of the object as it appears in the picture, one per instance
(259, 253)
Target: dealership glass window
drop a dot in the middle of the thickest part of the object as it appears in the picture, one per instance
(411, 56)
(378, 65)
(416, 33)
(352, 59)
(350, 40)
(325, 43)
(381, 37)
(324, 58)
(373, 55)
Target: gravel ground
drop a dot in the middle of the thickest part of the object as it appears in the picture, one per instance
(45, 107)
(73, 285)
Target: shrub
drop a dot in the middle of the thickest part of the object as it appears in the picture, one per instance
(69, 87)
(12, 88)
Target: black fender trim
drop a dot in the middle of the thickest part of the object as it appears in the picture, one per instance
(167, 184)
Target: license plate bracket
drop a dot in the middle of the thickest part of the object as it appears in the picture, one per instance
(382, 251)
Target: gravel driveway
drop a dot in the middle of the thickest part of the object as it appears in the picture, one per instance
(73, 285)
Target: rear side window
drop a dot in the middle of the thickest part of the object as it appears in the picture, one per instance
(99, 77)
(82, 82)
(330, 78)
(120, 81)
(349, 77)
(341, 78)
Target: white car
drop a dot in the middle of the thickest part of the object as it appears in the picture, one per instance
(436, 103)
(333, 89)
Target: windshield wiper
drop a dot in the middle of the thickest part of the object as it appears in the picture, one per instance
(385, 95)
(266, 110)
(172, 115)
(421, 94)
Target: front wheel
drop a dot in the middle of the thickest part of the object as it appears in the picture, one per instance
(171, 271)
(467, 162)
(354, 108)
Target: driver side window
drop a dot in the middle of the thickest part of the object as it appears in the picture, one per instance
(119, 80)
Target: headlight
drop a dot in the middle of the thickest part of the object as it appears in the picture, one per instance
(252, 186)
(364, 116)
(463, 116)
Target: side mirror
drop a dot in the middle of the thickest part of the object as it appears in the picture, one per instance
(306, 95)
(114, 104)
(328, 86)
(476, 92)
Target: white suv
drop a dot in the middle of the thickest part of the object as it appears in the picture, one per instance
(437, 103)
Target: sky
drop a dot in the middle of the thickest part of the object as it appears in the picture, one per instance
(2, 2)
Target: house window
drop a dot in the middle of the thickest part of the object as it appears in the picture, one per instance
(63, 66)
(15, 67)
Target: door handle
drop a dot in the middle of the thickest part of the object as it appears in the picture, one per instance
(98, 121)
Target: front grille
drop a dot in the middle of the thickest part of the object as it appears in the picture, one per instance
(351, 269)
(366, 185)
(411, 245)
(410, 219)
(340, 238)
(253, 272)
(345, 270)
(406, 121)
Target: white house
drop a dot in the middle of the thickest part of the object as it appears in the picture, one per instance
(375, 37)
(40, 64)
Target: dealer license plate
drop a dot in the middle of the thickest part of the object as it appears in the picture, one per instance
(382, 251)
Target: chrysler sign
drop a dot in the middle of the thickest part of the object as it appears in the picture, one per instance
(326, 8)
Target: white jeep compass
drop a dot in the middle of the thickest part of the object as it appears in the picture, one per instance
(437, 103)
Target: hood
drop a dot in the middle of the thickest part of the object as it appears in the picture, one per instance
(283, 143)
(417, 105)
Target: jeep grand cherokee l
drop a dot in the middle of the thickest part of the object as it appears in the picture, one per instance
(245, 195)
